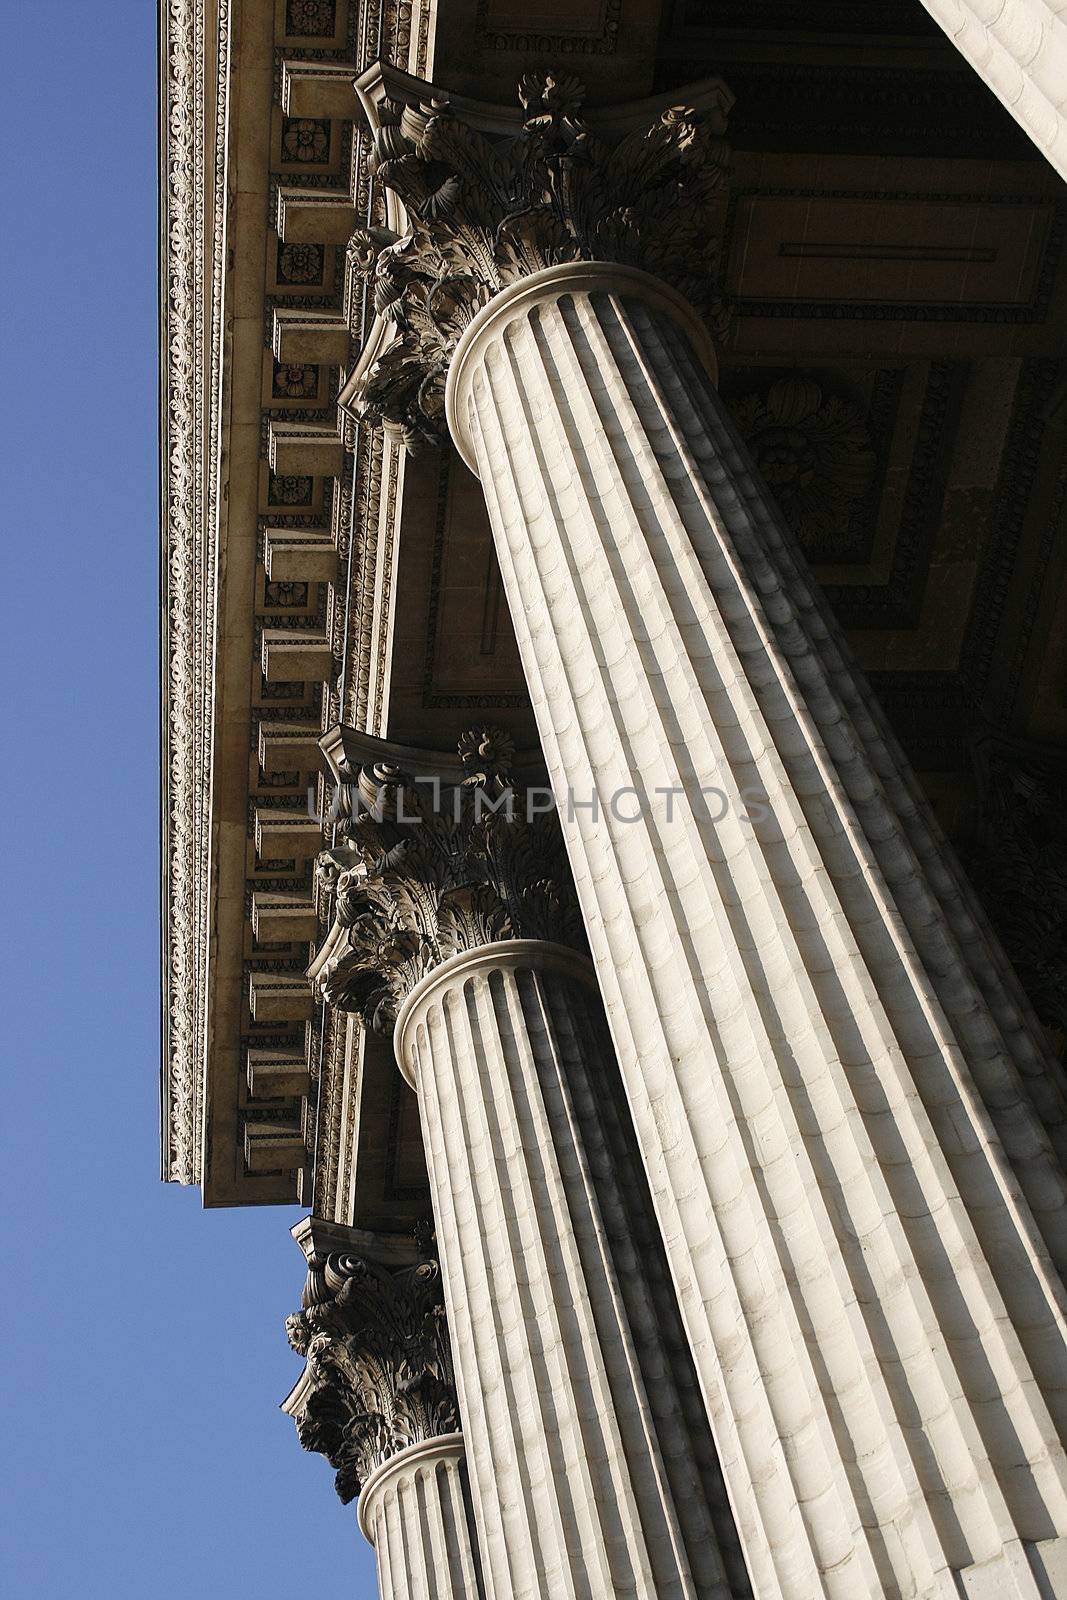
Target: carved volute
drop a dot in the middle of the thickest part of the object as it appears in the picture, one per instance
(433, 869)
(378, 1376)
(483, 212)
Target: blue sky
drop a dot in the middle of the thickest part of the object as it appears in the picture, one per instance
(145, 1352)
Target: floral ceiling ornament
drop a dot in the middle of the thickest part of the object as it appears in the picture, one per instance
(814, 452)
(432, 870)
(485, 212)
(306, 139)
(300, 263)
(310, 18)
(295, 381)
(379, 1371)
(289, 490)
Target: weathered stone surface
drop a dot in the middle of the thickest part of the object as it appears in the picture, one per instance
(1020, 50)
(416, 1513)
(592, 1466)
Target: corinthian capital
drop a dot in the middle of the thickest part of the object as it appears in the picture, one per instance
(379, 1368)
(433, 868)
(481, 209)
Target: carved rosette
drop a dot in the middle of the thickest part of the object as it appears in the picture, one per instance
(814, 451)
(379, 1368)
(433, 870)
(484, 212)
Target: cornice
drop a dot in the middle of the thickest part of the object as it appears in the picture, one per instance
(194, 64)
(201, 568)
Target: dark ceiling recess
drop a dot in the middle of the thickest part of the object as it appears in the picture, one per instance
(855, 110)
(893, 17)
(839, 76)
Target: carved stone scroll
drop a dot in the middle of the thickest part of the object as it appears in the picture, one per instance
(433, 869)
(484, 212)
(379, 1368)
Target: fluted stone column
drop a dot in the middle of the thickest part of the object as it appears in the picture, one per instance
(837, 1091)
(377, 1398)
(849, 1123)
(415, 1511)
(593, 1472)
(1018, 48)
(584, 1456)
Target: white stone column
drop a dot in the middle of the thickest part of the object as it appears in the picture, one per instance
(1018, 48)
(592, 1473)
(414, 1510)
(843, 1107)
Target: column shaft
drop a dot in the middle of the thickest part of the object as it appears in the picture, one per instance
(592, 1469)
(844, 1110)
(415, 1512)
(1018, 48)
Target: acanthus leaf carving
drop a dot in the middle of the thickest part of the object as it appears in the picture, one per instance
(430, 871)
(485, 212)
(815, 451)
(378, 1374)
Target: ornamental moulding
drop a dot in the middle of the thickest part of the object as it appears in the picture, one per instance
(479, 210)
(379, 1366)
(195, 50)
(814, 451)
(434, 869)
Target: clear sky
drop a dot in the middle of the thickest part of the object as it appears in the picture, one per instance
(145, 1356)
